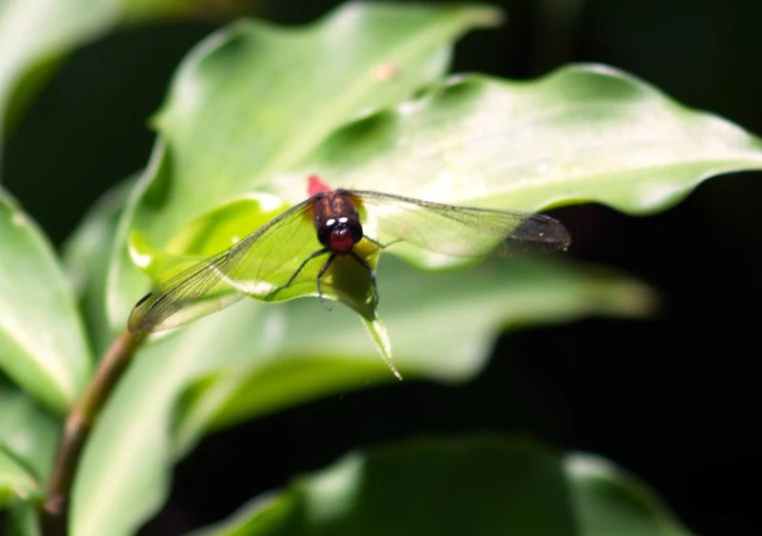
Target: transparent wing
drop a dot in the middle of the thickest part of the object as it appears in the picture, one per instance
(258, 265)
(459, 231)
(267, 259)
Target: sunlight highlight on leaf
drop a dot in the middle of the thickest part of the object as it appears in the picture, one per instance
(42, 348)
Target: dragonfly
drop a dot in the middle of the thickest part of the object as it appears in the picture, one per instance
(262, 263)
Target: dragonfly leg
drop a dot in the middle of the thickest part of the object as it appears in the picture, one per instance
(322, 271)
(378, 244)
(362, 262)
(317, 253)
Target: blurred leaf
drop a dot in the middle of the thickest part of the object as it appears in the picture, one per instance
(36, 34)
(27, 431)
(42, 344)
(86, 256)
(254, 99)
(16, 483)
(285, 351)
(29, 436)
(131, 440)
(442, 327)
(471, 486)
(142, 10)
(610, 501)
(22, 520)
(282, 341)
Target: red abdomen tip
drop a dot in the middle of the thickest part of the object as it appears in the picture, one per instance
(315, 185)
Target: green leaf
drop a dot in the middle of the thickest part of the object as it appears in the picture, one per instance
(42, 344)
(441, 325)
(610, 501)
(464, 135)
(582, 133)
(23, 520)
(254, 100)
(254, 107)
(485, 486)
(33, 38)
(131, 441)
(297, 352)
(86, 256)
(16, 482)
(27, 431)
(36, 35)
(28, 436)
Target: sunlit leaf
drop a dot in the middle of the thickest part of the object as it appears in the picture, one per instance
(606, 137)
(581, 133)
(254, 100)
(42, 344)
(131, 441)
(36, 34)
(471, 486)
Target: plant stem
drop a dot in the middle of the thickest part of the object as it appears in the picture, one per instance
(77, 428)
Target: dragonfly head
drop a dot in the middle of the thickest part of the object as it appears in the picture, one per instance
(340, 234)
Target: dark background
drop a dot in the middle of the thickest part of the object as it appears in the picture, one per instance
(673, 399)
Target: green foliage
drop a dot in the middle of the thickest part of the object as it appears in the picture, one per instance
(35, 37)
(42, 348)
(333, 355)
(15, 481)
(427, 487)
(27, 431)
(359, 98)
(205, 139)
(28, 438)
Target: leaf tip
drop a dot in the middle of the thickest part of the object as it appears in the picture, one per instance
(380, 336)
